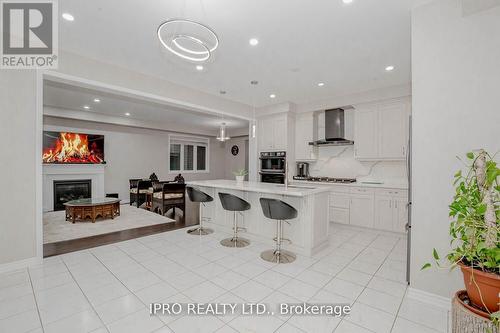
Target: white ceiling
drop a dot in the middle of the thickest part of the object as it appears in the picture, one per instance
(67, 97)
(301, 43)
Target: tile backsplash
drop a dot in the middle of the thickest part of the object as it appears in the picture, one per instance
(334, 161)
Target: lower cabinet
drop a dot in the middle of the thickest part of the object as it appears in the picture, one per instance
(384, 212)
(361, 210)
(401, 216)
(339, 215)
(384, 209)
(391, 210)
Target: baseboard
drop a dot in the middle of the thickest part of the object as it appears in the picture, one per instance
(430, 298)
(20, 264)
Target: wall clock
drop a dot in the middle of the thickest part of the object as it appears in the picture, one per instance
(235, 150)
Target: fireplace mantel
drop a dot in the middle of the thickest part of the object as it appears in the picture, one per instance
(52, 172)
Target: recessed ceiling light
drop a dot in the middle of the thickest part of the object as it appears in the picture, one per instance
(199, 67)
(127, 114)
(86, 107)
(389, 68)
(272, 96)
(321, 84)
(253, 41)
(97, 100)
(347, 1)
(68, 17)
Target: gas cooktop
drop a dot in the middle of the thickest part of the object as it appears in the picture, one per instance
(326, 179)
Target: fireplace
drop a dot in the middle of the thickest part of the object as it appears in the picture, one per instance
(67, 190)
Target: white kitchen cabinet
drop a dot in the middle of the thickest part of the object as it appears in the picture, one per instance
(339, 207)
(378, 208)
(280, 133)
(272, 133)
(305, 133)
(265, 134)
(361, 210)
(401, 214)
(365, 134)
(393, 125)
(391, 210)
(381, 131)
(384, 212)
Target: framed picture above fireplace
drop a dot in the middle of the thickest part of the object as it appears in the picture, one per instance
(72, 148)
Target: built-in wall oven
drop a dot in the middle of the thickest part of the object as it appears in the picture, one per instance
(272, 167)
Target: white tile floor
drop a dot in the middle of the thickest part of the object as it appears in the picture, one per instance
(109, 288)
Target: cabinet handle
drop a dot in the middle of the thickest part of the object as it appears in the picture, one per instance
(404, 151)
(395, 204)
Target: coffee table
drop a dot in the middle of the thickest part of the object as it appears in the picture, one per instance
(90, 209)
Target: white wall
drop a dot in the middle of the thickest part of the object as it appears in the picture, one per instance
(234, 163)
(456, 108)
(17, 165)
(136, 153)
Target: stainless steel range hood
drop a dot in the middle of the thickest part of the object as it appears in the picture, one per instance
(334, 130)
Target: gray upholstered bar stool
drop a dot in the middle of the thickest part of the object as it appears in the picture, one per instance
(201, 197)
(235, 204)
(280, 211)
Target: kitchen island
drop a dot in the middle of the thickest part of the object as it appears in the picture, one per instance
(308, 232)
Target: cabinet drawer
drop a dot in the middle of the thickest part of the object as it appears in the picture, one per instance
(362, 190)
(339, 200)
(392, 192)
(340, 188)
(339, 215)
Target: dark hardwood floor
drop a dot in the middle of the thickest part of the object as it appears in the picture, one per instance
(52, 249)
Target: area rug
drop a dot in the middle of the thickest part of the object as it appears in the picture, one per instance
(56, 229)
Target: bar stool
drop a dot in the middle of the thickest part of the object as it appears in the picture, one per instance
(199, 196)
(280, 211)
(235, 204)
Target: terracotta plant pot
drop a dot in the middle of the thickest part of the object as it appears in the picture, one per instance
(483, 288)
(464, 300)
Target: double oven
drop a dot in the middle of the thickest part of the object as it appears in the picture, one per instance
(273, 167)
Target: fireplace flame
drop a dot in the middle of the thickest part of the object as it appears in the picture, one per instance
(72, 148)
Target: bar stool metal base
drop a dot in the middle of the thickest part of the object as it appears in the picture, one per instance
(278, 257)
(200, 231)
(235, 242)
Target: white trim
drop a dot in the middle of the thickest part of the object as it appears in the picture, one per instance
(39, 165)
(20, 264)
(430, 298)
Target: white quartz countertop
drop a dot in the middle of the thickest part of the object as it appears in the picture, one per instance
(392, 184)
(295, 190)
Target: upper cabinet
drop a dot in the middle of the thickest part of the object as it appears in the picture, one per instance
(273, 133)
(304, 133)
(366, 133)
(381, 131)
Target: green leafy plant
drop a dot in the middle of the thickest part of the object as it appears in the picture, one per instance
(475, 213)
(240, 172)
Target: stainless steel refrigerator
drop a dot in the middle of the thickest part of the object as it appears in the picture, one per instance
(408, 224)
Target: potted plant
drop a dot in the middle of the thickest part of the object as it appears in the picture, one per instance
(475, 232)
(240, 175)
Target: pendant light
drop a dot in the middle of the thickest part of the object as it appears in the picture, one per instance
(254, 121)
(188, 39)
(222, 131)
